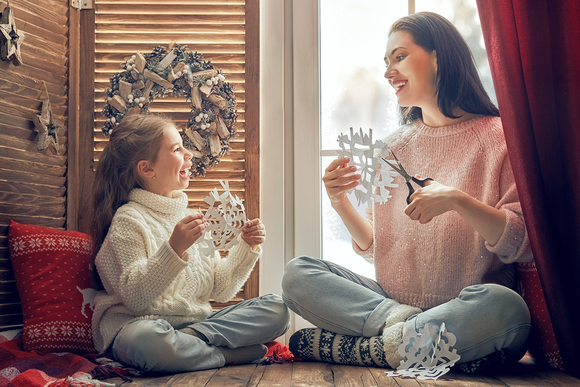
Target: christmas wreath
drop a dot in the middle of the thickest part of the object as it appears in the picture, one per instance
(178, 72)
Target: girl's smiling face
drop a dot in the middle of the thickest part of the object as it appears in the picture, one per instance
(411, 71)
(171, 167)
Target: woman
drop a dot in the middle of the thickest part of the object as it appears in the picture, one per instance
(447, 256)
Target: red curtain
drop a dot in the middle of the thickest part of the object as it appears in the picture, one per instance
(533, 48)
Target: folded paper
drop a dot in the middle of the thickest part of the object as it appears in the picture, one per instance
(427, 354)
(225, 215)
(376, 175)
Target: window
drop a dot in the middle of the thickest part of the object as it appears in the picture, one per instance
(353, 93)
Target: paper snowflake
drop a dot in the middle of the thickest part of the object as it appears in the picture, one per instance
(362, 151)
(225, 215)
(427, 354)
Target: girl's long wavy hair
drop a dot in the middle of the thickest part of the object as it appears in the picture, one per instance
(138, 137)
(458, 82)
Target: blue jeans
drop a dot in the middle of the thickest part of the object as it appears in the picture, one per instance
(484, 318)
(154, 345)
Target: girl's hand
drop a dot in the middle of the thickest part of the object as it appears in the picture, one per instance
(186, 232)
(430, 201)
(254, 232)
(339, 178)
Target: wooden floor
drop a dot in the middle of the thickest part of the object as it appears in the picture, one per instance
(302, 374)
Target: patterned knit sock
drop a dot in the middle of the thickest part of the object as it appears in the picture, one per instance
(243, 355)
(392, 338)
(493, 364)
(401, 314)
(322, 345)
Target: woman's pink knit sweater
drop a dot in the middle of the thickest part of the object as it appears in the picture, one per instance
(425, 265)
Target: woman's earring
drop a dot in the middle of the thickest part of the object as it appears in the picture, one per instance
(154, 177)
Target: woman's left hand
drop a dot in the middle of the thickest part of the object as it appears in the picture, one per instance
(254, 232)
(430, 201)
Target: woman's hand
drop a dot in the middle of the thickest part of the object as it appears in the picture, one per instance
(434, 199)
(254, 232)
(339, 178)
(430, 201)
(186, 232)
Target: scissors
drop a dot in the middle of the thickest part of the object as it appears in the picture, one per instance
(399, 168)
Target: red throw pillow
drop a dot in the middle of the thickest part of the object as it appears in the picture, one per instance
(53, 271)
(542, 343)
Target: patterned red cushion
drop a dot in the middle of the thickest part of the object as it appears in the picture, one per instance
(542, 342)
(53, 271)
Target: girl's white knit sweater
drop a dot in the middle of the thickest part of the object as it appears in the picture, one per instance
(145, 279)
(425, 265)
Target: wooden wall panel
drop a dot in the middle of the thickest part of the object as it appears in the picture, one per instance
(216, 29)
(32, 182)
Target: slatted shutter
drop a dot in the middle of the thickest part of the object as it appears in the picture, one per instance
(32, 182)
(225, 32)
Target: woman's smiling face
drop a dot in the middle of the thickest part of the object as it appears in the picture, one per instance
(171, 166)
(411, 71)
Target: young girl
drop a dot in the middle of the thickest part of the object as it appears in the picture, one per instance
(447, 256)
(154, 312)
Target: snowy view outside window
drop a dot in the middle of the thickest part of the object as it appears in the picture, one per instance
(354, 92)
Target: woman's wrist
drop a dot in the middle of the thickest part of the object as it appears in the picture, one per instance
(488, 221)
(458, 200)
(342, 205)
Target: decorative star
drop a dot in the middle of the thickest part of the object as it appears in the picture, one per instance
(10, 37)
(46, 126)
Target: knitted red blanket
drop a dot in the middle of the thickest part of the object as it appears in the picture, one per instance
(19, 368)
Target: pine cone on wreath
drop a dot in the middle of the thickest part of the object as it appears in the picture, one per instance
(114, 80)
(158, 53)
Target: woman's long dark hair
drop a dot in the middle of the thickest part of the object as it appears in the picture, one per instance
(138, 137)
(458, 83)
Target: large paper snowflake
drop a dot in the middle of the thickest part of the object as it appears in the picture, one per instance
(225, 215)
(363, 152)
(427, 354)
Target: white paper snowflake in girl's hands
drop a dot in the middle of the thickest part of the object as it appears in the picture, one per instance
(427, 354)
(225, 220)
(363, 153)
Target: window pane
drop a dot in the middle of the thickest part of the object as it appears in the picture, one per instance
(354, 93)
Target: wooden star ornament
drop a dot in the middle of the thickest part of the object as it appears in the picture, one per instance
(46, 126)
(11, 38)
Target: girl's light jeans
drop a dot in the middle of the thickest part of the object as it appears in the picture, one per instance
(154, 345)
(484, 318)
